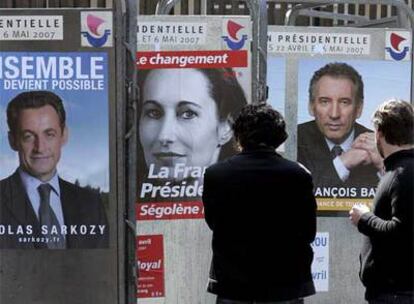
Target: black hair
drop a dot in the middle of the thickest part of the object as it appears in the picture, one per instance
(259, 125)
(338, 70)
(225, 90)
(395, 120)
(34, 100)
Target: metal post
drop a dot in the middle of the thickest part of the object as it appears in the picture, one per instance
(258, 12)
(203, 7)
(164, 7)
(412, 65)
(127, 136)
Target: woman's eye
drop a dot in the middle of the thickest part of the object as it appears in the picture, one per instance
(153, 113)
(188, 114)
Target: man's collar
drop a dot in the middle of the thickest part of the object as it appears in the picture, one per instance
(345, 145)
(31, 182)
(393, 158)
(260, 150)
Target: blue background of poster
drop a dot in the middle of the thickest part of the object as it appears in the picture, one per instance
(85, 157)
(276, 81)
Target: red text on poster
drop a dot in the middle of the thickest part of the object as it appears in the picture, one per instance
(150, 265)
(191, 59)
(169, 211)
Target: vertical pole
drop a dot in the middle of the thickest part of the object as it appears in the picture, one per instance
(126, 99)
(191, 7)
(258, 12)
(203, 5)
(164, 7)
(412, 63)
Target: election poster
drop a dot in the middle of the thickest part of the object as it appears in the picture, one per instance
(194, 75)
(54, 142)
(150, 265)
(339, 185)
(276, 83)
(194, 78)
(320, 263)
(335, 79)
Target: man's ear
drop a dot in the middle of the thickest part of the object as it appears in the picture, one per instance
(65, 135)
(12, 141)
(310, 108)
(360, 106)
(225, 133)
(378, 135)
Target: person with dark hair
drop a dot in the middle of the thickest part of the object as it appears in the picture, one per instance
(252, 199)
(38, 209)
(185, 116)
(337, 150)
(387, 264)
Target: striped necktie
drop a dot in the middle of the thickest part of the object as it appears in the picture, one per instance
(336, 151)
(47, 217)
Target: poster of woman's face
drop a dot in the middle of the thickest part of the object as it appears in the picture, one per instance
(185, 119)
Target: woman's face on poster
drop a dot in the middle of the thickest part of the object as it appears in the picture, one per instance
(179, 122)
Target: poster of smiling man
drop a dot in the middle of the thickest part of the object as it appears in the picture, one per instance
(51, 107)
(54, 142)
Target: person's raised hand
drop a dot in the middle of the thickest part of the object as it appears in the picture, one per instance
(366, 141)
(355, 157)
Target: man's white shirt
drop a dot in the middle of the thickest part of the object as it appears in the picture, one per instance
(340, 168)
(31, 184)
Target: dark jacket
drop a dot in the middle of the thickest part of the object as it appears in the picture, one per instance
(261, 210)
(387, 254)
(80, 206)
(314, 154)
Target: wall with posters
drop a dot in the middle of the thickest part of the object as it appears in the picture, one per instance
(169, 210)
(194, 75)
(382, 57)
(56, 64)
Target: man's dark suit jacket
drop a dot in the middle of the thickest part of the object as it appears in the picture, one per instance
(261, 210)
(314, 154)
(80, 206)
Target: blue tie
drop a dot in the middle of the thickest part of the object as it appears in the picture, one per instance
(336, 151)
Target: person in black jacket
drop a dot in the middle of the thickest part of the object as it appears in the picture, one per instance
(387, 268)
(262, 212)
(337, 150)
